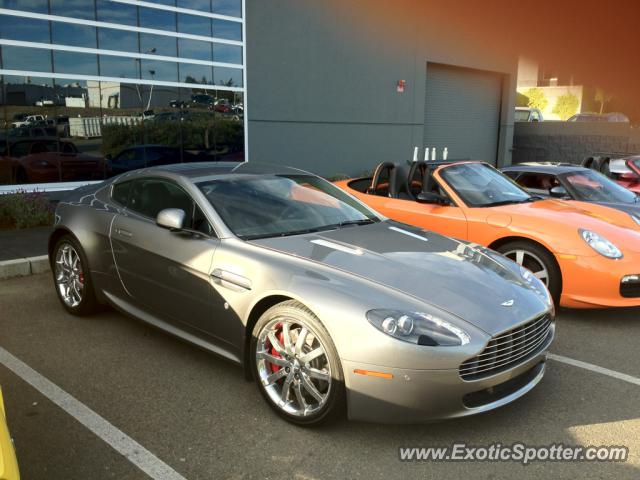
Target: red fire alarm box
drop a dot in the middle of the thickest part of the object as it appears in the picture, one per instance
(401, 85)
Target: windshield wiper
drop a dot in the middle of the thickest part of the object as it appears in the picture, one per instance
(282, 234)
(332, 226)
(364, 221)
(533, 198)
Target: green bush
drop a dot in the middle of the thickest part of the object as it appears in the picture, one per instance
(566, 105)
(536, 98)
(25, 210)
(204, 133)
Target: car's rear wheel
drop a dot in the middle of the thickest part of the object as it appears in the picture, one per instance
(72, 278)
(296, 365)
(537, 259)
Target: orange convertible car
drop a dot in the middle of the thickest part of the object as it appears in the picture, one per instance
(588, 255)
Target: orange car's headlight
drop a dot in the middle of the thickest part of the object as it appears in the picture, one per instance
(600, 244)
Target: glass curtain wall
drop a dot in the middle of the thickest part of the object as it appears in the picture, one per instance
(93, 88)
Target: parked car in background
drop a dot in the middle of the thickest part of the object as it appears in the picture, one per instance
(573, 182)
(528, 114)
(44, 160)
(331, 309)
(26, 121)
(599, 117)
(201, 101)
(222, 106)
(8, 461)
(624, 171)
(586, 254)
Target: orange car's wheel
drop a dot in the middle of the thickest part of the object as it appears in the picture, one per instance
(537, 259)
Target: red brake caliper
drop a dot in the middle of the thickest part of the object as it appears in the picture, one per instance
(274, 352)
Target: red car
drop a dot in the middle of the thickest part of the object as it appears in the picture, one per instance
(625, 171)
(46, 160)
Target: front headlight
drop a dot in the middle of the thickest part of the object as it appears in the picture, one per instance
(417, 328)
(600, 244)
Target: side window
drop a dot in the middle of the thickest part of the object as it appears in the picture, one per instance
(511, 174)
(539, 183)
(120, 192)
(148, 197)
(200, 222)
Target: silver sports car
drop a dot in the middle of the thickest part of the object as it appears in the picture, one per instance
(328, 305)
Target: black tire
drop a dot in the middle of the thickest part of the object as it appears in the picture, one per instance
(335, 405)
(88, 303)
(549, 262)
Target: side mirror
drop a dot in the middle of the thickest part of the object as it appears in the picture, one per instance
(559, 192)
(171, 218)
(430, 197)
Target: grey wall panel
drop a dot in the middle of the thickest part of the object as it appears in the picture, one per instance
(462, 111)
(323, 68)
(330, 149)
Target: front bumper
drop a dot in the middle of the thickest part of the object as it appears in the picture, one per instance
(416, 396)
(594, 282)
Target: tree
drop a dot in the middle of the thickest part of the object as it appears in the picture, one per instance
(566, 105)
(602, 98)
(537, 98)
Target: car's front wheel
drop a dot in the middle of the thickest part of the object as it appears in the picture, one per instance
(296, 365)
(537, 259)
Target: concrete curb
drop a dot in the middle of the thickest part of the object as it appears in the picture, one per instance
(21, 267)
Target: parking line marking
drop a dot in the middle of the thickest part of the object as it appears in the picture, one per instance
(114, 437)
(594, 368)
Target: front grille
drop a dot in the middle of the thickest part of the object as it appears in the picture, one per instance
(630, 287)
(508, 349)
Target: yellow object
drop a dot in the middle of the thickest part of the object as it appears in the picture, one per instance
(8, 462)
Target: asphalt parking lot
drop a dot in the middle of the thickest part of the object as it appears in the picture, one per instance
(197, 414)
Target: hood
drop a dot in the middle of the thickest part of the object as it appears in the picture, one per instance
(448, 274)
(567, 217)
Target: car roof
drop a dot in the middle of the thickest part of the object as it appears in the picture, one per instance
(551, 168)
(203, 171)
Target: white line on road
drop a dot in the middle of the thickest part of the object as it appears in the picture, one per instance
(118, 440)
(594, 368)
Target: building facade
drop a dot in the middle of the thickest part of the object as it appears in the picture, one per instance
(338, 86)
(333, 87)
(113, 81)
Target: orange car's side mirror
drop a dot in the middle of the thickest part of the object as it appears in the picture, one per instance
(433, 198)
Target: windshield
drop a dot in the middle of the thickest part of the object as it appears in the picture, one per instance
(595, 187)
(480, 185)
(255, 206)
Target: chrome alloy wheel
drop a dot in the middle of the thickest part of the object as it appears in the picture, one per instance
(530, 261)
(69, 275)
(293, 367)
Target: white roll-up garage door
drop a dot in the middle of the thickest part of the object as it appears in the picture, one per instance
(462, 112)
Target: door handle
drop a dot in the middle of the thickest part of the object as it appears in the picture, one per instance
(230, 279)
(124, 233)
